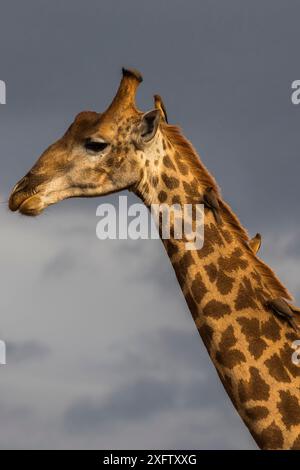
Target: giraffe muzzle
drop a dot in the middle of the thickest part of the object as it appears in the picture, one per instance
(24, 198)
(26, 205)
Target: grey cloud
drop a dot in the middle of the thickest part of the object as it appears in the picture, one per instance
(183, 347)
(134, 401)
(19, 352)
(154, 387)
(139, 400)
(112, 314)
(61, 264)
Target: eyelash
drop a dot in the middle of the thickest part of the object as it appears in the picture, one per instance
(95, 146)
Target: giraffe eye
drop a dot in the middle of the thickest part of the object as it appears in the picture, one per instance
(95, 146)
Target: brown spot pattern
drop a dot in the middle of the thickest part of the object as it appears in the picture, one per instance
(285, 355)
(211, 237)
(176, 200)
(227, 355)
(245, 296)
(254, 389)
(256, 413)
(212, 271)
(170, 181)
(171, 248)
(227, 236)
(192, 188)
(216, 309)
(198, 288)
(168, 162)
(181, 267)
(182, 167)
(276, 369)
(162, 196)
(271, 438)
(270, 329)
(224, 283)
(212, 234)
(233, 262)
(251, 329)
(289, 409)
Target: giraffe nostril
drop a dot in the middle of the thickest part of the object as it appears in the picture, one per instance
(20, 185)
(18, 194)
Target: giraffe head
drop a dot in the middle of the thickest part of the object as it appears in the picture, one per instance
(99, 154)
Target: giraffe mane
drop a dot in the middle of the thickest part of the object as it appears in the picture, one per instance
(184, 147)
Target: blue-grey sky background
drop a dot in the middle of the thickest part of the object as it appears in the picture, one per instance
(102, 351)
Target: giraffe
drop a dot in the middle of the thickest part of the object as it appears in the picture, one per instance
(225, 284)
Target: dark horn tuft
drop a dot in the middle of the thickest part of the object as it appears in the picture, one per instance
(132, 73)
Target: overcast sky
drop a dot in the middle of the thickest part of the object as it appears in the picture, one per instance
(102, 351)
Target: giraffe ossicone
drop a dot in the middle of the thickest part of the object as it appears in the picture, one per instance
(225, 284)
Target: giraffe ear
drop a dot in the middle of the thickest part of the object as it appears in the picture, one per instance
(149, 125)
(159, 104)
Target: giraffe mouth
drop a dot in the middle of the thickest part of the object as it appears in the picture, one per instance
(34, 202)
(32, 206)
(26, 204)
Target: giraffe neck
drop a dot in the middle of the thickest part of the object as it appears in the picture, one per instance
(226, 287)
